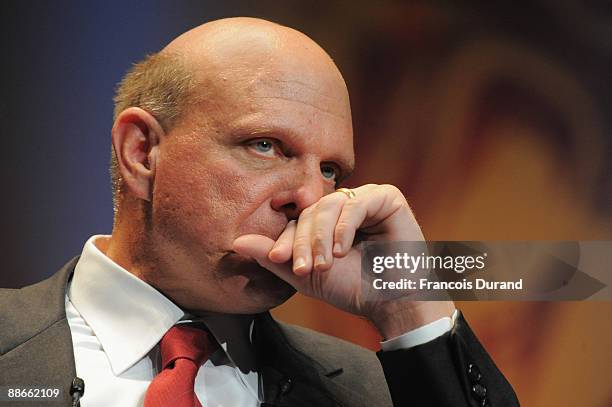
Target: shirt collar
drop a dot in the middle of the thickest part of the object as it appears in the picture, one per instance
(127, 315)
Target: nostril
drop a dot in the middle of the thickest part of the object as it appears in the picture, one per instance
(291, 211)
(290, 207)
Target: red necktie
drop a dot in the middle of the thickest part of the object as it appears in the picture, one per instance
(183, 350)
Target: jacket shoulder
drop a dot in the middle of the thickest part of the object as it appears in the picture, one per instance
(27, 311)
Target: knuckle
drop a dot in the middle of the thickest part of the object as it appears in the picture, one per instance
(329, 201)
(319, 234)
(395, 193)
(392, 189)
(352, 203)
(318, 238)
(318, 246)
(399, 202)
(343, 228)
(301, 243)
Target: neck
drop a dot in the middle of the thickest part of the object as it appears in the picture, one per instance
(232, 331)
(128, 244)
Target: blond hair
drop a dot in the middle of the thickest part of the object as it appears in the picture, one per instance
(160, 84)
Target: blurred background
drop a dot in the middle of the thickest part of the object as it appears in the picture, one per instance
(494, 119)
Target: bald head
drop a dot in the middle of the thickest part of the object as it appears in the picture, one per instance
(251, 45)
(244, 32)
(235, 54)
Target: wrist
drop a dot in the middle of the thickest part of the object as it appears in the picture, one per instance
(395, 318)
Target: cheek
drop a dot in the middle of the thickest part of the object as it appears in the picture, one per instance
(211, 202)
(191, 200)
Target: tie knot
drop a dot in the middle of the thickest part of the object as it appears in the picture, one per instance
(187, 342)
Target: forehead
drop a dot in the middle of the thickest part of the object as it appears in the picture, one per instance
(288, 94)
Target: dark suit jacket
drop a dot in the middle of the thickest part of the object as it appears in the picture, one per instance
(299, 367)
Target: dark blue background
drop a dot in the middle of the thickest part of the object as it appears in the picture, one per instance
(61, 61)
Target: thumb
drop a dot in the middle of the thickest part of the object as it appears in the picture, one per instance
(257, 247)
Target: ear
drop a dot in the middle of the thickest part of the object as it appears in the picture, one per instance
(136, 136)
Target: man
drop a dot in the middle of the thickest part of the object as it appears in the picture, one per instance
(228, 147)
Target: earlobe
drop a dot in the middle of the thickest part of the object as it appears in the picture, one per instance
(136, 135)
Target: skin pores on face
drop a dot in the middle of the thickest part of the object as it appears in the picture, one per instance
(247, 157)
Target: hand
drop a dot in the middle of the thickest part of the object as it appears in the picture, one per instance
(318, 255)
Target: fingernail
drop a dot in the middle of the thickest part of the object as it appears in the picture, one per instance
(337, 248)
(299, 263)
(319, 260)
(273, 253)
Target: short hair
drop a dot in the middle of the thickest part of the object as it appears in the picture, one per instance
(161, 84)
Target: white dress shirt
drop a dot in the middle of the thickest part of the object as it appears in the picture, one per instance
(116, 321)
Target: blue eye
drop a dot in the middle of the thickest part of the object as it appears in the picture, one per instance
(264, 147)
(328, 172)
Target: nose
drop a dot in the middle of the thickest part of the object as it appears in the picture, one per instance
(302, 191)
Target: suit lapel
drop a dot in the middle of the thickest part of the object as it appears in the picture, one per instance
(290, 378)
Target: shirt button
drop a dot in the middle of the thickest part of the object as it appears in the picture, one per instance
(474, 373)
(479, 391)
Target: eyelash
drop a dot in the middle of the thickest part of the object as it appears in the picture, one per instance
(275, 145)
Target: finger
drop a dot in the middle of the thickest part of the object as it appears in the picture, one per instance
(372, 205)
(324, 220)
(344, 231)
(347, 225)
(283, 248)
(302, 251)
(390, 213)
(257, 247)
